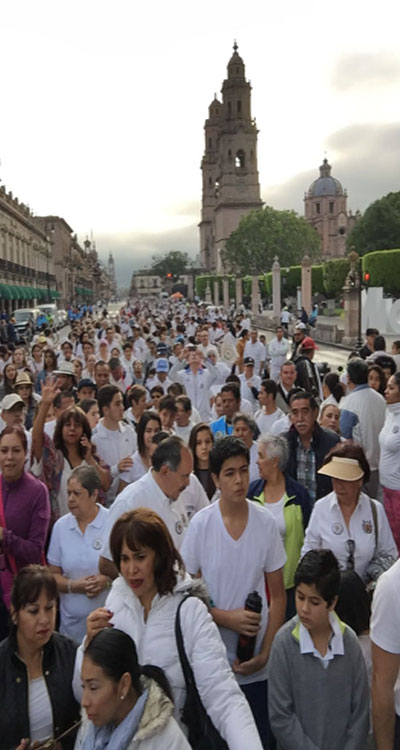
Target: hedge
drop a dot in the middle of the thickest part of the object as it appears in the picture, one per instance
(327, 278)
(384, 269)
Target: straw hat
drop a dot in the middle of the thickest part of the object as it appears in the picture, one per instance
(65, 368)
(22, 378)
(347, 469)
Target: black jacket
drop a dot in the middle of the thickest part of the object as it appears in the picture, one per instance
(58, 670)
(307, 377)
(323, 441)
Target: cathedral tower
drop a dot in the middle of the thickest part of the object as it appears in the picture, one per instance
(229, 166)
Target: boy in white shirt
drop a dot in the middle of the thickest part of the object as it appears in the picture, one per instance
(238, 549)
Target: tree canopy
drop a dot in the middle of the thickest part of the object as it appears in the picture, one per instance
(379, 227)
(174, 262)
(266, 232)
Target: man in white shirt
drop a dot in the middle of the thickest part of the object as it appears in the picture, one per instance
(287, 380)
(196, 379)
(115, 441)
(277, 351)
(160, 490)
(137, 397)
(255, 349)
(269, 413)
(249, 382)
(236, 546)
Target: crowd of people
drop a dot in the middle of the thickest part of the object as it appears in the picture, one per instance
(183, 503)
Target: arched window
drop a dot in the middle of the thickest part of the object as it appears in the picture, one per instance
(239, 106)
(239, 159)
(229, 109)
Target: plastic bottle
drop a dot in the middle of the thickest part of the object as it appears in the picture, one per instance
(246, 644)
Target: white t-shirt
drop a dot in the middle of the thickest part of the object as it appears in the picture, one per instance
(265, 421)
(146, 493)
(77, 555)
(234, 568)
(40, 711)
(137, 470)
(257, 351)
(385, 620)
(194, 497)
(112, 446)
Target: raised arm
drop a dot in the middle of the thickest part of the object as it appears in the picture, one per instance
(49, 392)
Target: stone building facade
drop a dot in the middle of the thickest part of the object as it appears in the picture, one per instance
(145, 285)
(27, 273)
(325, 208)
(229, 165)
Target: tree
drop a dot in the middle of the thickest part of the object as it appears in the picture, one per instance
(379, 228)
(264, 233)
(174, 262)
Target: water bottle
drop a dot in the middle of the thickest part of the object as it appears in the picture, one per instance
(246, 644)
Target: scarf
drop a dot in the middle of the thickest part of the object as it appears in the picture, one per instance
(111, 737)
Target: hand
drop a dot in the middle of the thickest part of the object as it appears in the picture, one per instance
(49, 390)
(96, 621)
(250, 666)
(125, 464)
(244, 622)
(95, 584)
(86, 444)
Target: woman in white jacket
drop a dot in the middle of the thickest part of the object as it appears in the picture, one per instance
(125, 705)
(143, 601)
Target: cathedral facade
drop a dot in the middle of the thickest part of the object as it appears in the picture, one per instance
(325, 208)
(231, 186)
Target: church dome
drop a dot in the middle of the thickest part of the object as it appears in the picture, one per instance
(235, 64)
(325, 184)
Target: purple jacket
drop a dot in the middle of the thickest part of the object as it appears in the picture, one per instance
(27, 515)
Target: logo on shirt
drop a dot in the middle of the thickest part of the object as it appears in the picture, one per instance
(395, 429)
(179, 527)
(367, 527)
(337, 528)
(97, 544)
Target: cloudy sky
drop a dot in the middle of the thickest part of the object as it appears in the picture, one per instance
(103, 107)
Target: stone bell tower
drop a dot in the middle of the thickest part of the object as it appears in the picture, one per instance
(229, 166)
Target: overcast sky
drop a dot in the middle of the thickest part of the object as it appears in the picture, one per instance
(103, 106)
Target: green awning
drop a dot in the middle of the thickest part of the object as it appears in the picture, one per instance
(54, 294)
(5, 292)
(24, 292)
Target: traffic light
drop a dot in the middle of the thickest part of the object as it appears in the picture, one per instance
(367, 277)
(169, 275)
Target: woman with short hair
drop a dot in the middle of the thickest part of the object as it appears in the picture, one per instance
(245, 427)
(347, 521)
(74, 551)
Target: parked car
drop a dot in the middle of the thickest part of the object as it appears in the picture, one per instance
(26, 322)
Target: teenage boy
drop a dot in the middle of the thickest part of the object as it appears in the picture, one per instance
(318, 685)
(115, 441)
(236, 546)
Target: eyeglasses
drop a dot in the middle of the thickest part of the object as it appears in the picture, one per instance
(350, 546)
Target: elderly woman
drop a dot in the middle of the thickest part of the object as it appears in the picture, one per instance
(74, 551)
(36, 666)
(143, 603)
(347, 521)
(24, 510)
(244, 427)
(287, 500)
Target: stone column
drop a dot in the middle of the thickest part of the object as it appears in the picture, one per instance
(208, 297)
(306, 289)
(216, 293)
(239, 293)
(225, 293)
(255, 296)
(190, 287)
(352, 303)
(276, 289)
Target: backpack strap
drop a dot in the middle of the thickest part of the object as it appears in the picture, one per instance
(375, 519)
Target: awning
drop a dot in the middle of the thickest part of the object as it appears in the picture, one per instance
(5, 292)
(54, 294)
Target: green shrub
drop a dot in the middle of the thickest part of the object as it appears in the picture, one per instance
(384, 269)
(334, 275)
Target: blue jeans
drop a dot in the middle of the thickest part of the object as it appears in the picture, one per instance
(257, 697)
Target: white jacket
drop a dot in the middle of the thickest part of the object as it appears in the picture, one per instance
(157, 728)
(197, 385)
(155, 642)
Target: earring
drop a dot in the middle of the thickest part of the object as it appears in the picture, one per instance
(122, 697)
